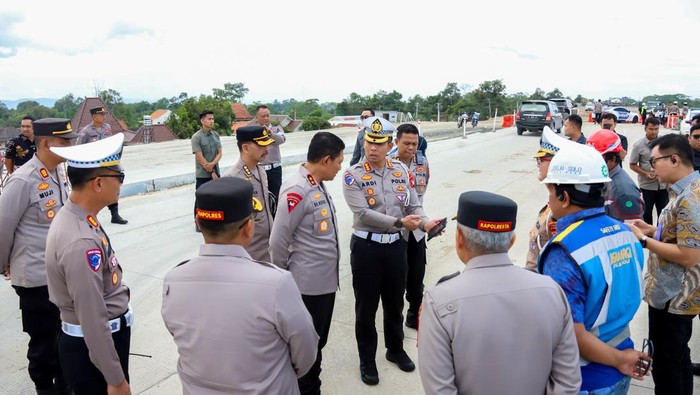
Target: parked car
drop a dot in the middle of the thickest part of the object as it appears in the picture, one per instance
(685, 123)
(590, 106)
(566, 106)
(534, 115)
(623, 114)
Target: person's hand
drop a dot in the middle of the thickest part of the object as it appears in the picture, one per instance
(651, 175)
(431, 224)
(627, 363)
(121, 389)
(7, 274)
(640, 228)
(411, 221)
(208, 166)
(214, 176)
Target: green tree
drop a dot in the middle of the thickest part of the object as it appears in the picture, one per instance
(316, 120)
(489, 96)
(555, 93)
(110, 97)
(185, 120)
(67, 106)
(579, 99)
(33, 108)
(538, 94)
(232, 92)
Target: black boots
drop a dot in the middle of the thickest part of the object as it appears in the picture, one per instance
(116, 218)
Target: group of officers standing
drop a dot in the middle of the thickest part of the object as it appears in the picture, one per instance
(272, 281)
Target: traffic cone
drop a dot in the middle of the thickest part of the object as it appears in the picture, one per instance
(590, 117)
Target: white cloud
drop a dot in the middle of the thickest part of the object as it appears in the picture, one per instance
(326, 50)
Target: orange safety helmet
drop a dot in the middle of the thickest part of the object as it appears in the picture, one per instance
(605, 141)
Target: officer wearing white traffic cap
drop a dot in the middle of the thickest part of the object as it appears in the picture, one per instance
(84, 274)
(598, 262)
(495, 328)
(29, 202)
(240, 325)
(382, 197)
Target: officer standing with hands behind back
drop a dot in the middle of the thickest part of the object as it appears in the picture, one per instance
(382, 197)
(85, 277)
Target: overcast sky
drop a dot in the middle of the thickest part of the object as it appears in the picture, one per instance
(328, 49)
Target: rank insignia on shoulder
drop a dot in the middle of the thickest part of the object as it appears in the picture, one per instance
(293, 200)
(104, 241)
(44, 173)
(43, 186)
(349, 179)
(115, 278)
(451, 276)
(368, 167)
(247, 170)
(389, 163)
(311, 179)
(94, 258)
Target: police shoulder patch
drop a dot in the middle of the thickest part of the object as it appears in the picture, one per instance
(94, 258)
(349, 179)
(293, 200)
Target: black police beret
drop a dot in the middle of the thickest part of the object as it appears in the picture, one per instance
(487, 211)
(225, 200)
(97, 110)
(54, 127)
(256, 134)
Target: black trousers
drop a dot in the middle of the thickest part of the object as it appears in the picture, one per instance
(416, 257)
(321, 309)
(198, 183)
(653, 198)
(671, 369)
(274, 183)
(42, 322)
(378, 271)
(80, 372)
(598, 117)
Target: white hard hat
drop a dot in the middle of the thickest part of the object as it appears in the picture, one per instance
(577, 164)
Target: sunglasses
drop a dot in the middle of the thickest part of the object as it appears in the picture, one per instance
(543, 159)
(641, 368)
(120, 176)
(695, 136)
(364, 116)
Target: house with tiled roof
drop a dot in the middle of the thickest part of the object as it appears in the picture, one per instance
(83, 118)
(156, 134)
(159, 117)
(242, 116)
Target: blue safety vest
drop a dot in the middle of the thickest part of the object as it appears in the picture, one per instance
(611, 260)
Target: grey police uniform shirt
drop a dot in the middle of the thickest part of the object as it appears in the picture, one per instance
(419, 168)
(304, 237)
(623, 199)
(240, 326)
(276, 133)
(263, 220)
(209, 144)
(90, 133)
(640, 156)
(497, 328)
(85, 283)
(377, 197)
(28, 204)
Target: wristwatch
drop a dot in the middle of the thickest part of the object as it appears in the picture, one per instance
(643, 241)
(399, 223)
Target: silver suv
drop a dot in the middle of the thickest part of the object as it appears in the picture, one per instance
(565, 105)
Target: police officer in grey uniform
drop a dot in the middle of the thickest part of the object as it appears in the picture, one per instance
(28, 205)
(382, 197)
(407, 140)
(493, 327)
(253, 142)
(97, 130)
(85, 277)
(240, 325)
(304, 239)
(272, 163)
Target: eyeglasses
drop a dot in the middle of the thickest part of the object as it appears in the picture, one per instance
(642, 366)
(653, 160)
(120, 176)
(364, 116)
(695, 136)
(543, 159)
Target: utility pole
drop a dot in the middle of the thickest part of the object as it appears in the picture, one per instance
(416, 110)
(438, 111)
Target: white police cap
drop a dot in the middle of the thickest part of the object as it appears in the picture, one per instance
(102, 153)
(378, 130)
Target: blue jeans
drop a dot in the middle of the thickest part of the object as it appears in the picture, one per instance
(619, 388)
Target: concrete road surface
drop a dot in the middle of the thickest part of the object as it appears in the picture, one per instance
(160, 234)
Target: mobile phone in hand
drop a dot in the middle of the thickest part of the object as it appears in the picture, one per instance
(437, 228)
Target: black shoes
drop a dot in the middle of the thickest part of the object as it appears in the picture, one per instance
(369, 374)
(412, 319)
(117, 219)
(402, 359)
(696, 369)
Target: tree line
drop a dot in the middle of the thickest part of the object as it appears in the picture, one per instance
(453, 100)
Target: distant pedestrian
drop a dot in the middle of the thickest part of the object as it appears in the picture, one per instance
(598, 110)
(359, 151)
(272, 163)
(21, 149)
